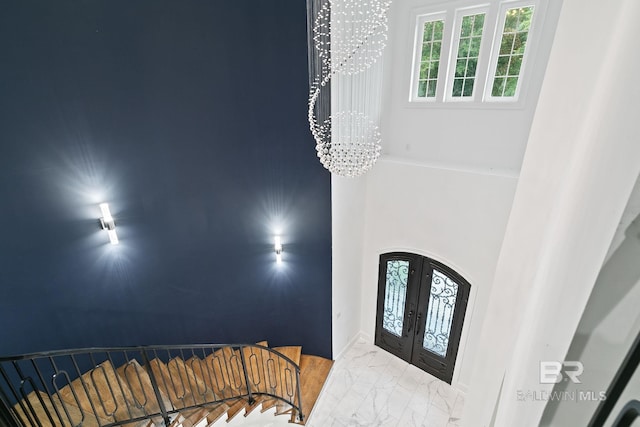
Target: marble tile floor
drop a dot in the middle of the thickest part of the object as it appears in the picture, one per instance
(370, 387)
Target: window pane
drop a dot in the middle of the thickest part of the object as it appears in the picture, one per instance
(510, 86)
(468, 87)
(433, 69)
(428, 32)
(461, 66)
(520, 43)
(467, 24)
(395, 296)
(511, 20)
(524, 20)
(503, 66)
(507, 44)
(478, 24)
(424, 70)
(442, 302)
(430, 58)
(435, 52)
(431, 89)
(498, 86)
(471, 67)
(426, 51)
(437, 32)
(422, 88)
(474, 48)
(512, 47)
(469, 38)
(514, 65)
(457, 87)
(463, 48)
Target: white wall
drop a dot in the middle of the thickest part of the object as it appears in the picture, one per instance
(609, 325)
(347, 218)
(487, 137)
(581, 162)
(455, 217)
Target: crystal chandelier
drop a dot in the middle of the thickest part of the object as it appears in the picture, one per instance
(346, 38)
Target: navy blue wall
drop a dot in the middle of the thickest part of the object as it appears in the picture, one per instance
(189, 118)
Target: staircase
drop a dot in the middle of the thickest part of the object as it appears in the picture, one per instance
(193, 386)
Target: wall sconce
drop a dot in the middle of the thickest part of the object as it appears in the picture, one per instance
(108, 223)
(278, 248)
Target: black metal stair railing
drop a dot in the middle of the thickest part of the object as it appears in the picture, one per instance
(130, 386)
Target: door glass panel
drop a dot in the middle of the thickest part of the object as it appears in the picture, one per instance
(442, 301)
(395, 296)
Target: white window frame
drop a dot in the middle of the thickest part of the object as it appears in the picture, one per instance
(452, 15)
(495, 50)
(478, 86)
(422, 19)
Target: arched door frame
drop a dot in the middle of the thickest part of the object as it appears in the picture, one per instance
(418, 301)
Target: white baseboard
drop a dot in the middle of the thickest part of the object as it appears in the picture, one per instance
(352, 341)
(464, 388)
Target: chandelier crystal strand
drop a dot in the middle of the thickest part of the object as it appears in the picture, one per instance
(346, 39)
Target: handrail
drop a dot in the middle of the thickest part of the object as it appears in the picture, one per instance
(116, 385)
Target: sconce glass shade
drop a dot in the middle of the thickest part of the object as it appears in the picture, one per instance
(108, 223)
(278, 248)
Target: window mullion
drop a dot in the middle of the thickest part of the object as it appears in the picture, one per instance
(445, 57)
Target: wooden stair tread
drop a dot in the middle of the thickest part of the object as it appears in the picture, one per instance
(314, 371)
(268, 404)
(215, 413)
(190, 417)
(235, 409)
(293, 352)
(257, 401)
(138, 381)
(102, 393)
(50, 405)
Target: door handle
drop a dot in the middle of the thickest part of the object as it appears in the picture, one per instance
(409, 321)
(418, 323)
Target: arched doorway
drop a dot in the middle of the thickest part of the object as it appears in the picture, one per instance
(421, 308)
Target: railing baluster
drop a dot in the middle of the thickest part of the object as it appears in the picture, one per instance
(183, 365)
(7, 417)
(24, 378)
(156, 390)
(5, 376)
(97, 366)
(44, 384)
(300, 413)
(85, 388)
(230, 378)
(194, 359)
(246, 376)
(230, 375)
(204, 361)
(115, 373)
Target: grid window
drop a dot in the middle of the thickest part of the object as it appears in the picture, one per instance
(512, 46)
(468, 54)
(430, 58)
